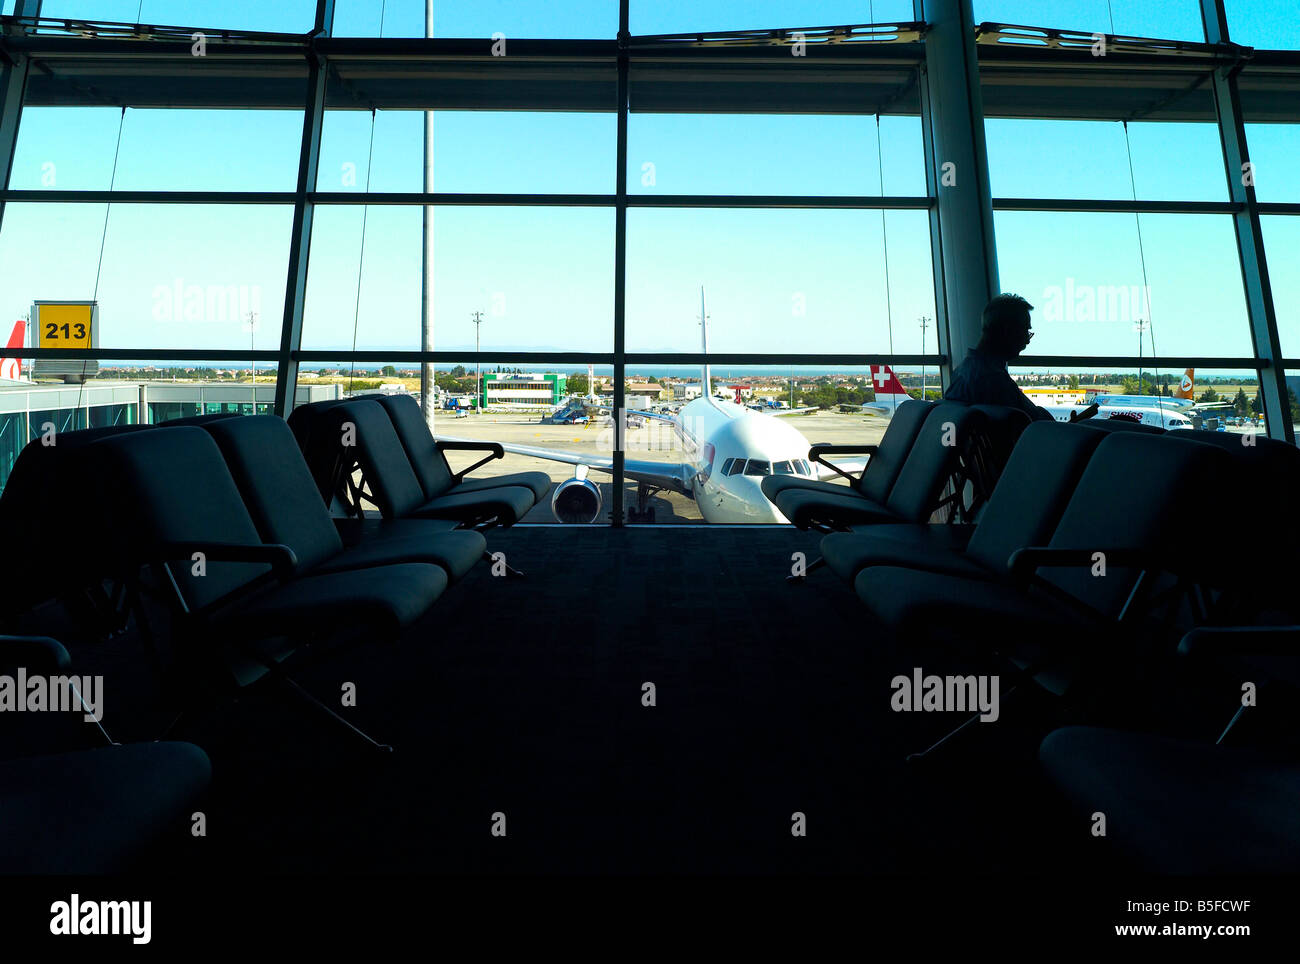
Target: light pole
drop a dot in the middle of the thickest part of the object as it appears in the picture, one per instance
(1141, 326)
(478, 369)
(925, 323)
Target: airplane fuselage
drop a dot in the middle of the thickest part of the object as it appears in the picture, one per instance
(717, 436)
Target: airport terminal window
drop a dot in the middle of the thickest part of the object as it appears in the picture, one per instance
(1164, 19)
(499, 152)
(1263, 24)
(72, 148)
(1273, 152)
(1089, 294)
(1089, 160)
(540, 278)
(793, 154)
(171, 276)
(1282, 246)
(683, 16)
(480, 18)
(283, 16)
(765, 274)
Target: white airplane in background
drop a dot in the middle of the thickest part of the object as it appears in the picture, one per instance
(890, 392)
(727, 450)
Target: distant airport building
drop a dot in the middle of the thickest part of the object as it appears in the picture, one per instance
(29, 410)
(527, 388)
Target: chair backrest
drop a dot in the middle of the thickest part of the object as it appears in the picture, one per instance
(1134, 494)
(945, 434)
(1032, 492)
(319, 449)
(1263, 513)
(172, 485)
(276, 485)
(429, 464)
(378, 452)
(43, 477)
(882, 469)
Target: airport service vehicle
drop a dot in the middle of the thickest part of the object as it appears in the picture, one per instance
(713, 433)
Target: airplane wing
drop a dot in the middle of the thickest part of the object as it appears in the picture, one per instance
(665, 475)
(792, 411)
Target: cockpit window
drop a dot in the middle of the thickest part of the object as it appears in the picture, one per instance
(737, 467)
(783, 468)
(758, 467)
(726, 466)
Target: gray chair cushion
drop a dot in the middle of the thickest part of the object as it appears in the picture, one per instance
(1175, 807)
(97, 811)
(412, 540)
(934, 548)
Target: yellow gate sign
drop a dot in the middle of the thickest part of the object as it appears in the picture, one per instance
(64, 326)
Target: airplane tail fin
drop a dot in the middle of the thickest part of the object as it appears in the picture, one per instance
(889, 390)
(11, 368)
(1187, 387)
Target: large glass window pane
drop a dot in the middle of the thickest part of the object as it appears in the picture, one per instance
(173, 276)
(479, 18)
(540, 277)
(72, 148)
(282, 16)
(785, 281)
(1282, 249)
(1089, 160)
(1084, 275)
(473, 152)
(773, 154)
(1163, 19)
(683, 16)
(1273, 152)
(1269, 24)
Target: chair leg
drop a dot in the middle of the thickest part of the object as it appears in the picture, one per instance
(320, 707)
(951, 734)
(812, 567)
(511, 571)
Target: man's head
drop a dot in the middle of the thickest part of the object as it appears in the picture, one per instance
(1006, 325)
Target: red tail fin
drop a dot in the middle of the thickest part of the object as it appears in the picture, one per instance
(11, 368)
(885, 381)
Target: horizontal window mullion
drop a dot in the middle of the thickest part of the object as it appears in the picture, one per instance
(467, 199)
(149, 197)
(1063, 205)
(852, 202)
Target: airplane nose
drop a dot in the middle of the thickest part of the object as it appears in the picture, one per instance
(761, 508)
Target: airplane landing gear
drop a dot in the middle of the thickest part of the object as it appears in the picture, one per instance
(644, 512)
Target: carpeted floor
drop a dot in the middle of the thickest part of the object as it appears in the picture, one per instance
(525, 698)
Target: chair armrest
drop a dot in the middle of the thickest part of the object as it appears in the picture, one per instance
(38, 653)
(1024, 562)
(494, 450)
(819, 449)
(280, 558)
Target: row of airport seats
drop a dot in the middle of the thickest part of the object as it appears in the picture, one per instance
(211, 536)
(1094, 564)
(378, 449)
(937, 460)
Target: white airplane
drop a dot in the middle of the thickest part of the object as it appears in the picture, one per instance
(890, 392)
(1166, 418)
(727, 450)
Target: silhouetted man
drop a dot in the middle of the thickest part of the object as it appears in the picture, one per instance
(982, 379)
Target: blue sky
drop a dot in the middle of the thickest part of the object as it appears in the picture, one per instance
(778, 281)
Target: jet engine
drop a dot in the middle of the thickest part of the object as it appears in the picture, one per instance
(577, 500)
